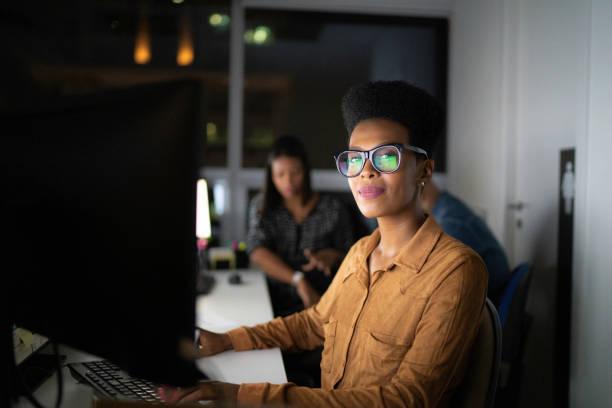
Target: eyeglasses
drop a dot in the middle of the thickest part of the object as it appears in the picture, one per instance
(385, 159)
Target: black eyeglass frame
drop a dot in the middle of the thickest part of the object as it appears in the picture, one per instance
(367, 155)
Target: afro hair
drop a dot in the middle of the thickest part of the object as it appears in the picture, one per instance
(400, 102)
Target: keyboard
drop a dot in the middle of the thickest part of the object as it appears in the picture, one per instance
(110, 382)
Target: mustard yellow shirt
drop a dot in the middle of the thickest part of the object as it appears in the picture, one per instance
(398, 337)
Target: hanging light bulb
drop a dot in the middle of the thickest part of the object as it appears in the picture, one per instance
(142, 44)
(184, 53)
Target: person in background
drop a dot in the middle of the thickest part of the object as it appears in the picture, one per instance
(297, 236)
(400, 317)
(460, 222)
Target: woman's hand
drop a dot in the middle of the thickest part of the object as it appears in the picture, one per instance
(213, 343)
(323, 259)
(205, 391)
(306, 292)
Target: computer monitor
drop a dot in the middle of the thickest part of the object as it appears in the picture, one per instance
(99, 217)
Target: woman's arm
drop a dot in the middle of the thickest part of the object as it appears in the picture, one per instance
(343, 237)
(274, 267)
(325, 260)
(272, 264)
(299, 331)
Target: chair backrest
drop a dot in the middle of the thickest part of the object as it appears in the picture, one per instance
(515, 321)
(514, 295)
(480, 383)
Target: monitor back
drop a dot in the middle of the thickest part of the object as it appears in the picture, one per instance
(99, 209)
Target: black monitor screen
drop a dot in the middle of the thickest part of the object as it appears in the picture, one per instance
(99, 214)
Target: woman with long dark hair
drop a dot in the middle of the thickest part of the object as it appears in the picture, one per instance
(296, 236)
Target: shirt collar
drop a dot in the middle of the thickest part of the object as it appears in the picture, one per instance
(411, 256)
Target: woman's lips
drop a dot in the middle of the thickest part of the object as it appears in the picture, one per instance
(289, 192)
(370, 192)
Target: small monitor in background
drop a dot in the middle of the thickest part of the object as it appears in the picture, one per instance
(98, 213)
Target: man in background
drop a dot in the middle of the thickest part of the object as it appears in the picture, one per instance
(460, 222)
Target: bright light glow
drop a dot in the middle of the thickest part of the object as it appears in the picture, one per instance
(177, 1)
(211, 132)
(215, 19)
(184, 54)
(248, 36)
(142, 44)
(219, 20)
(262, 35)
(219, 198)
(203, 229)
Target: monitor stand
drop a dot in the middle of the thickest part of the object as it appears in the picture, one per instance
(204, 283)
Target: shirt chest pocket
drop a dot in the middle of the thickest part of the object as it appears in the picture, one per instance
(329, 330)
(387, 348)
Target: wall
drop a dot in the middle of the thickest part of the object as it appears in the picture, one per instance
(551, 112)
(518, 86)
(475, 137)
(592, 331)
(517, 96)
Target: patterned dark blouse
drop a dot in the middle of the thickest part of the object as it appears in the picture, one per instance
(327, 226)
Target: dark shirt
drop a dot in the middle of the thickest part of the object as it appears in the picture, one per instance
(458, 221)
(327, 226)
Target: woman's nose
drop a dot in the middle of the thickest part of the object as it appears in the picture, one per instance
(368, 170)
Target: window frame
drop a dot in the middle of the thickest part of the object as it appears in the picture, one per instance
(237, 180)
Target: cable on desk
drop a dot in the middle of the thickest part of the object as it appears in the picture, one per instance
(27, 392)
(60, 376)
(60, 382)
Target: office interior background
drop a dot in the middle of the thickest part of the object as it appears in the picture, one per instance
(521, 80)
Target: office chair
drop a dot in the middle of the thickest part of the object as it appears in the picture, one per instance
(514, 295)
(515, 323)
(480, 383)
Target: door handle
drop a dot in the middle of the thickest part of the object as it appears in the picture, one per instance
(517, 206)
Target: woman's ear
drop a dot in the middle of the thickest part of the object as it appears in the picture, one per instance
(427, 170)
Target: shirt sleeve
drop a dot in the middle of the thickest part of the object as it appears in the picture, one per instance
(299, 331)
(428, 370)
(257, 235)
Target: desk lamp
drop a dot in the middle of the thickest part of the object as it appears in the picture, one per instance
(203, 232)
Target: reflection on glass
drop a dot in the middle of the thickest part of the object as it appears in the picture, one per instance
(85, 47)
(142, 44)
(184, 54)
(299, 64)
(219, 21)
(260, 35)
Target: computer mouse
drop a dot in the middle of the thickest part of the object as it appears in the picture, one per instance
(235, 279)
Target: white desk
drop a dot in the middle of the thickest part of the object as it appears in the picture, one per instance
(230, 306)
(226, 307)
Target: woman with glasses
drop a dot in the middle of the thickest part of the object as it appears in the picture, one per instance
(400, 317)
